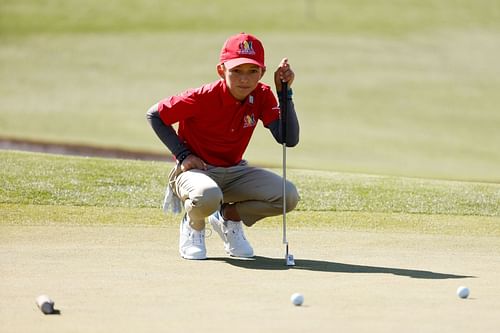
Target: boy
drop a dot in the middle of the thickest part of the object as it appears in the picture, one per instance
(215, 124)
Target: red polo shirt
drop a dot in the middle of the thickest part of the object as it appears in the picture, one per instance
(214, 125)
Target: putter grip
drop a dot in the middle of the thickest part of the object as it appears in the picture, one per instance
(283, 107)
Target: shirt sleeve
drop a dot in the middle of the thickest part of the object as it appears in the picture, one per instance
(271, 109)
(179, 107)
(167, 134)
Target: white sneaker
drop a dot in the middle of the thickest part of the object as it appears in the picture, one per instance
(191, 242)
(231, 232)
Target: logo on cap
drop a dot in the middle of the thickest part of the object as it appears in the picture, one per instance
(246, 48)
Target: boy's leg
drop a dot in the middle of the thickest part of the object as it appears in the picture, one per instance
(201, 197)
(257, 193)
(200, 194)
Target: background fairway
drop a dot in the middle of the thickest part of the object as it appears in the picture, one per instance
(387, 87)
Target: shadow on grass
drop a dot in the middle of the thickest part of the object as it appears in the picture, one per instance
(56, 312)
(277, 264)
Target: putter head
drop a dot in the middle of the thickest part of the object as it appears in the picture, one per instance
(289, 260)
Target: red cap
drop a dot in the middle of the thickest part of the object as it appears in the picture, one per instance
(242, 49)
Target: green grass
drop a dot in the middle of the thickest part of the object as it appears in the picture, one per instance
(387, 17)
(51, 189)
(453, 225)
(388, 87)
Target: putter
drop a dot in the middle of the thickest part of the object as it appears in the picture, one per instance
(289, 261)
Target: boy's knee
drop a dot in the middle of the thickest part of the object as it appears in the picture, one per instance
(292, 196)
(207, 200)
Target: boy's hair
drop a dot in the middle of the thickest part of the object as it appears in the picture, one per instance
(242, 49)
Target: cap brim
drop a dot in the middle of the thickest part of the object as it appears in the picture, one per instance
(240, 61)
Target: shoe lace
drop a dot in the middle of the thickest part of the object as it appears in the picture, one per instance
(197, 237)
(235, 230)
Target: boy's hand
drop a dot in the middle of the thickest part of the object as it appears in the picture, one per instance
(283, 73)
(193, 162)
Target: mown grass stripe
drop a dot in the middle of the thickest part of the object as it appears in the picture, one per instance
(47, 215)
(41, 179)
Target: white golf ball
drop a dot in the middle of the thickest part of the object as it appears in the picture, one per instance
(463, 292)
(297, 299)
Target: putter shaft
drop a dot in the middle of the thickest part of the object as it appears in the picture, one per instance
(285, 241)
(283, 104)
(289, 261)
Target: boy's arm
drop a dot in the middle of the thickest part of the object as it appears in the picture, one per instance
(284, 73)
(167, 134)
(292, 123)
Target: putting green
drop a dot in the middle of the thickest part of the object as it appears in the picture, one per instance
(373, 253)
(130, 279)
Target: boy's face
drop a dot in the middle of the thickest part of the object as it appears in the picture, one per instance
(241, 80)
